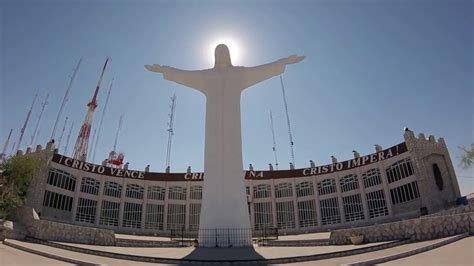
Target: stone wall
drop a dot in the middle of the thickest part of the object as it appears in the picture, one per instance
(424, 152)
(54, 231)
(458, 209)
(424, 228)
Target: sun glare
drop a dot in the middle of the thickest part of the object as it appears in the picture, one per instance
(234, 49)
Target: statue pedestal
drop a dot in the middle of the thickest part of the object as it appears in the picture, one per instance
(225, 218)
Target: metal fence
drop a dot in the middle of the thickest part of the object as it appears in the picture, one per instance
(223, 237)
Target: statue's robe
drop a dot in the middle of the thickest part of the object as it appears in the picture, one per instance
(224, 201)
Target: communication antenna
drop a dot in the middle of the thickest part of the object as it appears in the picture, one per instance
(3, 155)
(13, 149)
(274, 141)
(67, 140)
(82, 142)
(43, 105)
(65, 98)
(26, 123)
(170, 130)
(101, 121)
(92, 144)
(62, 133)
(37, 134)
(288, 121)
(117, 133)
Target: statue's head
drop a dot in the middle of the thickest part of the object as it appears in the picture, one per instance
(222, 56)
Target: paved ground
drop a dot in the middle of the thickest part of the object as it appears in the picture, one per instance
(369, 255)
(14, 257)
(458, 253)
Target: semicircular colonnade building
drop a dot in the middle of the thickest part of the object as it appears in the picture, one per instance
(407, 180)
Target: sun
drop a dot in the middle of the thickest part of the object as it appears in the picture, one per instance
(234, 49)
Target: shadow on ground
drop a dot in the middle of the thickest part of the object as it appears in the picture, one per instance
(223, 255)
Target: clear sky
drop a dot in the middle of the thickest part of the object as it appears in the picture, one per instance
(372, 68)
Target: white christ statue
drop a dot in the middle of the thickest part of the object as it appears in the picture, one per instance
(224, 219)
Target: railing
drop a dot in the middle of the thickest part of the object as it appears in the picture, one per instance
(223, 237)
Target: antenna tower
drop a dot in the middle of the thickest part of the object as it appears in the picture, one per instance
(13, 149)
(96, 142)
(274, 141)
(170, 130)
(67, 140)
(117, 133)
(43, 105)
(288, 121)
(82, 142)
(62, 133)
(65, 98)
(26, 123)
(3, 155)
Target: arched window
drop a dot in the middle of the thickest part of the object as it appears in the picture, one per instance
(349, 182)
(371, 178)
(283, 190)
(327, 186)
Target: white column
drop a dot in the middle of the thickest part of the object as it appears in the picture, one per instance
(295, 205)
(316, 199)
(362, 194)
(75, 202)
(144, 202)
(339, 199)
(165, 209)
(122, 203)
(99, 203)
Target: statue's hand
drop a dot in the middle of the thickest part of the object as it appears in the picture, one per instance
(293, 59)
(155, 68)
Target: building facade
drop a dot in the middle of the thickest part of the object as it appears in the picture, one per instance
(407, 180)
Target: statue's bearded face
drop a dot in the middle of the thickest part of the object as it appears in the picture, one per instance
(222, 56)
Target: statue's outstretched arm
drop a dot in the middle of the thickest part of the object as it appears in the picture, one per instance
(192, 79)
(254, 75)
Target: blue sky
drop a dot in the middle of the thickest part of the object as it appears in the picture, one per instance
(372, 68)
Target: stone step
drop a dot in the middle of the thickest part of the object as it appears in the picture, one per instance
(218, 255)
(297, 243)
(408, 253)
(122, 242)
(235, 256)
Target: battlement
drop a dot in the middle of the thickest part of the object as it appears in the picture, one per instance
(421, 139)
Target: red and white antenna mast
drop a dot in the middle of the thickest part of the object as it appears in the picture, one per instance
(43, 105)
(82, 142)
(26, 123)
(65, 98)
(3, 155)
(101, 121)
